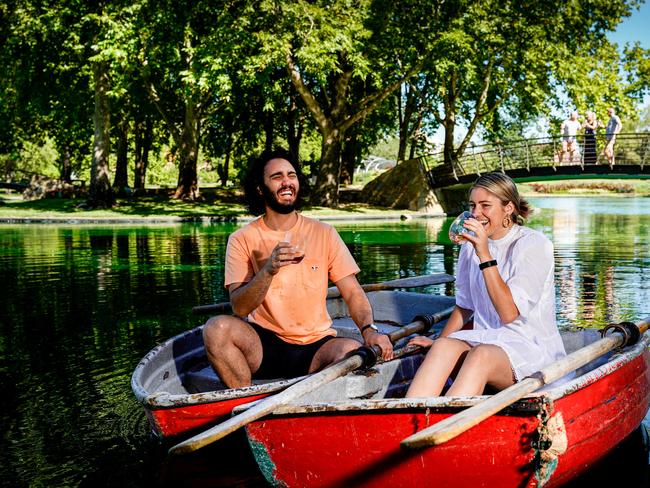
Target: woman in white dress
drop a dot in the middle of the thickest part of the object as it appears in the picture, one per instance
(505, 283)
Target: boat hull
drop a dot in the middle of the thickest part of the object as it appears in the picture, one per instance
(181, 393)
(544, 440)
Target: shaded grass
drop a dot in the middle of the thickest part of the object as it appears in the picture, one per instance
(142, 207)
(162, 207)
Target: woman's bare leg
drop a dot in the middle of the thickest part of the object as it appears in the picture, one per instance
(438, 364)
(485, 364)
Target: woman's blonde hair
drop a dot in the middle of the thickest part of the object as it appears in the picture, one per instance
(504, 188)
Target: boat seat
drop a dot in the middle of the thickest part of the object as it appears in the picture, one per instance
(201, 379)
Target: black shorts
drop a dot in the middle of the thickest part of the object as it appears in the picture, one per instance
(281, 359)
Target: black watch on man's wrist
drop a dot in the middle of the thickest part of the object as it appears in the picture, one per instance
(369, 326)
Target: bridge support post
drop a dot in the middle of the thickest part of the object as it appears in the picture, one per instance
(527, 156)
(453, 200)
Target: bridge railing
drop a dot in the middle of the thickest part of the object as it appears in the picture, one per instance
(629, 149)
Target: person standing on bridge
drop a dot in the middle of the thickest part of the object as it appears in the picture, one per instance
(612, 128)
(590, 125)
(569, 129)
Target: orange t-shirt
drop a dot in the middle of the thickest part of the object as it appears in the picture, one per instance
(295, 305)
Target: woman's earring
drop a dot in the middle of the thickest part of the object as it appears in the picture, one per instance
(506, 222)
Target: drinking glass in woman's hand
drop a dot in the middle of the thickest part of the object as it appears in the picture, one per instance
(457, 229)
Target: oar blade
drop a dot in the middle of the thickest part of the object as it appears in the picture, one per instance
(333, 292)
(413, 282)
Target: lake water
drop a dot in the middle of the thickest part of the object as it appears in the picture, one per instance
(80, 305)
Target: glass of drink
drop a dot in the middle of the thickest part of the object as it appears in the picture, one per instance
(457, 228)
(297, 247)
(299, 251)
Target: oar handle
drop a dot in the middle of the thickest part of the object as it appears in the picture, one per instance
(455, 425)
(416, 326)
(214, 308)
(420, 323)
(298, 389)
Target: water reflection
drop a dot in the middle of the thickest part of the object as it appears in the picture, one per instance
(82, 304)
(602, 257)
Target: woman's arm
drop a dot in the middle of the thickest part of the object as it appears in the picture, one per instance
(457, 319)
(498, 291)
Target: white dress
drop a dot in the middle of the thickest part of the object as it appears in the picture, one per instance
(526, 264)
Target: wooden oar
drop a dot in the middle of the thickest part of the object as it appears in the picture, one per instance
(455, 425)
(333, 292)
(309, 384)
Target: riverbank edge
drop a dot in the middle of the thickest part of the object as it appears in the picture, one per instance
(212, 219)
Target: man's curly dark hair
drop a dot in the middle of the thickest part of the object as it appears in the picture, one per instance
(254, 179)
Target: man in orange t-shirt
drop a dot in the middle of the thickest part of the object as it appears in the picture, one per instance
(277, 271)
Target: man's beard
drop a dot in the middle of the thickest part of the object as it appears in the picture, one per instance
(271, 200)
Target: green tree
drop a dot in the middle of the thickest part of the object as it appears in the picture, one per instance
(509, 60)
(45, 84)
(328, 48)
(184, 51)
(596, 80)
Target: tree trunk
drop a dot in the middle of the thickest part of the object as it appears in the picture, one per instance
(349, 157)
(66, 164)
(223, 170)
(294, 127)
(121, 180)
(100, 193)
(406, 111)
(187, 188)
(450, 124)
(416, 128)
(143, 139)
(326, 191)
(268, 130)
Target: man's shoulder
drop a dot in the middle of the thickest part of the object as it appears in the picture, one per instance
(246, 229)
(316, 224)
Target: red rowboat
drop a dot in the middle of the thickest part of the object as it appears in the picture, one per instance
(349, 432)
(180, 392)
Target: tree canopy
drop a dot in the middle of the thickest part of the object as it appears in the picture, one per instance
(326, 78)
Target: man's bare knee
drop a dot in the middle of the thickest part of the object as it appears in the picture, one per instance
(217, 328)
(224, 330)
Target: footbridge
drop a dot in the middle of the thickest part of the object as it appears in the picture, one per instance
(543, 159)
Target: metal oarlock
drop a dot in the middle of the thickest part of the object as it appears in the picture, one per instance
(629, 330)
(428, 319)
(368, 355)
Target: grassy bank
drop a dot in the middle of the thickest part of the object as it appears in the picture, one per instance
(227, 205)
(600, 187)
(163, 208)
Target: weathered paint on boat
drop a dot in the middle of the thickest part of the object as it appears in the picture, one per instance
(180, 392)
(546, 439)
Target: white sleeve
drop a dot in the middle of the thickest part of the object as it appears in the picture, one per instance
(532, 263)
(463, 293)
